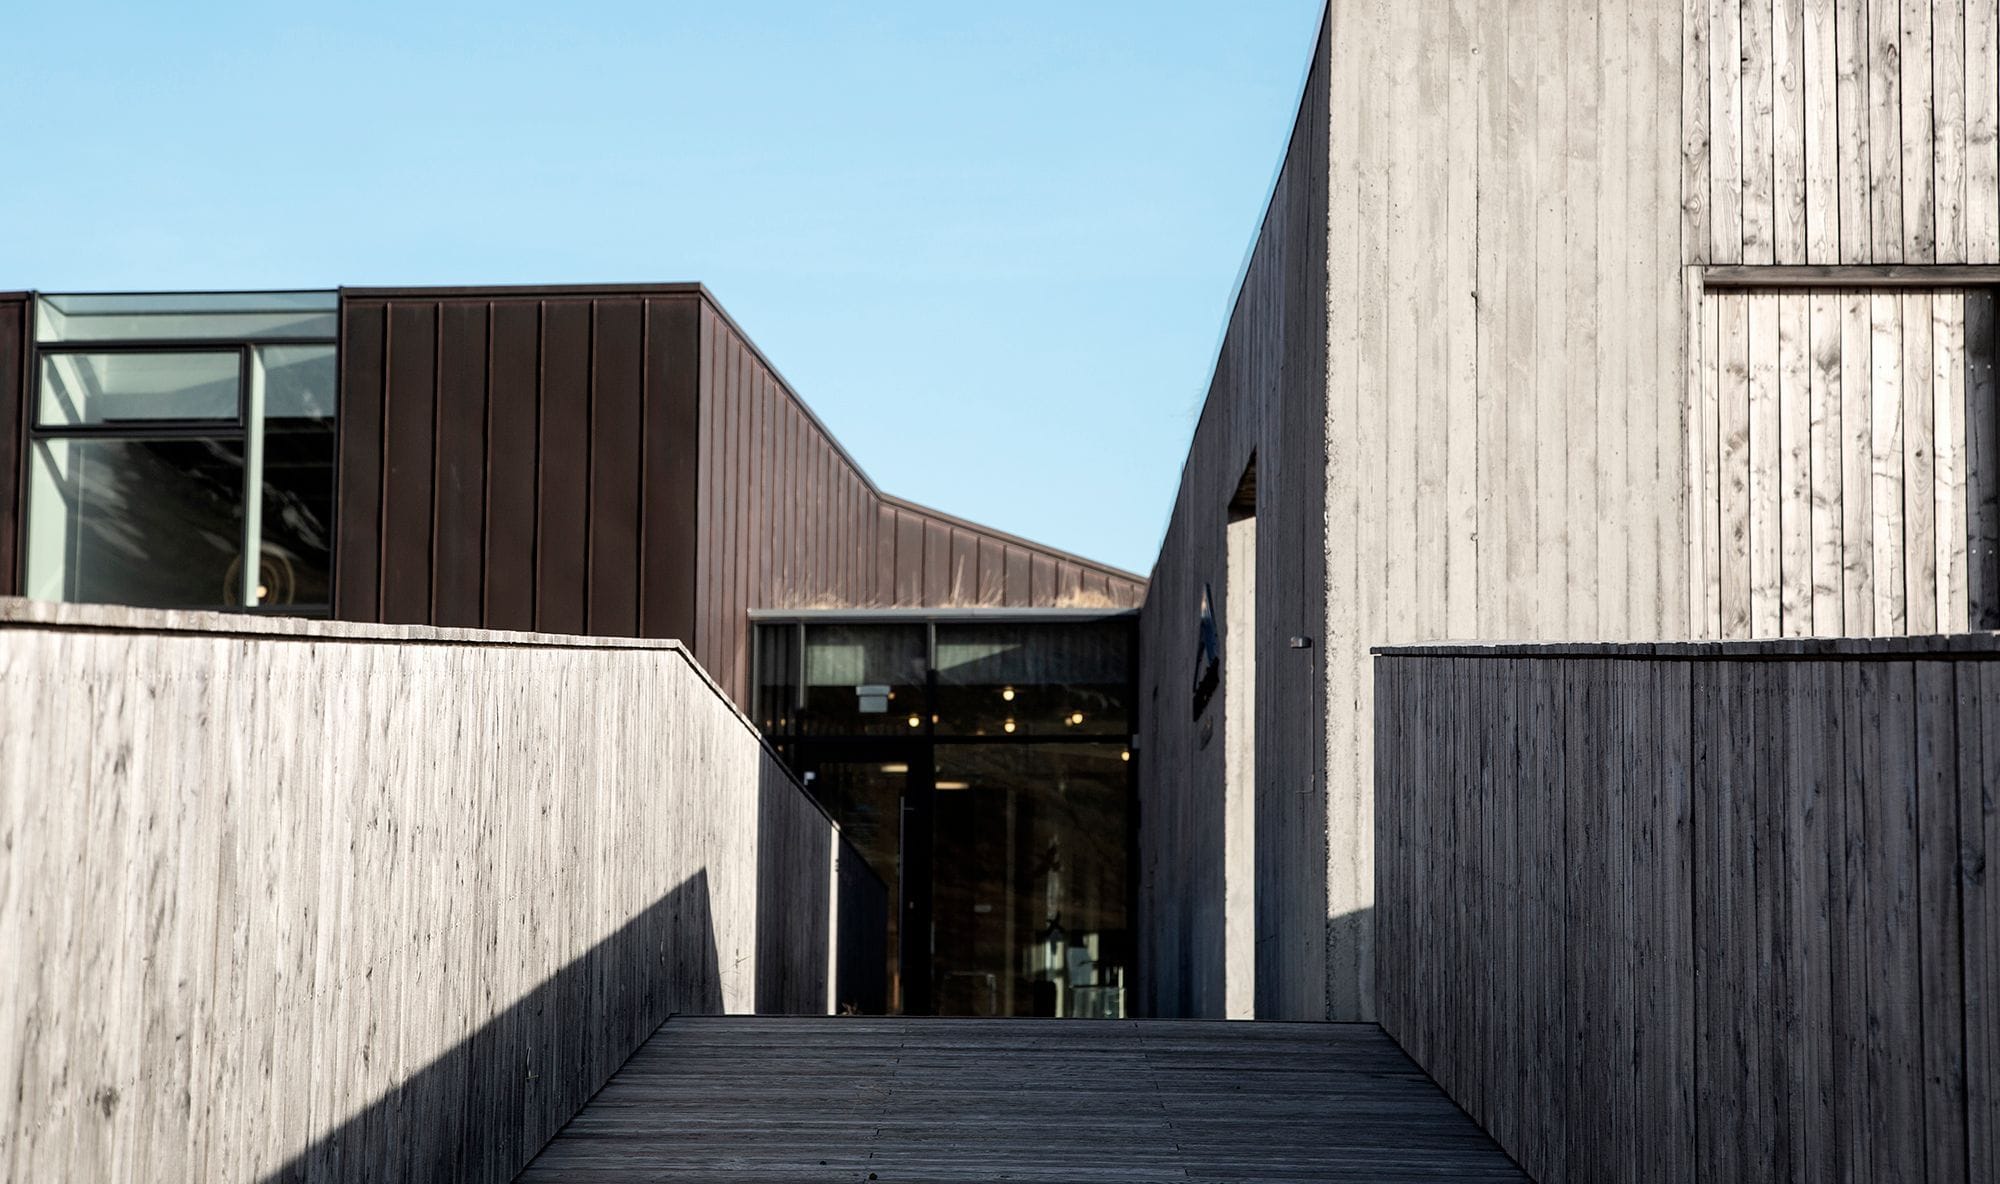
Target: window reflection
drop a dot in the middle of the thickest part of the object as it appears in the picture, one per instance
(864, 680)
(1032, 679)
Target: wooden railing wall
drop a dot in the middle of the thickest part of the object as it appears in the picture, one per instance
(316, 901)
(1718, 911)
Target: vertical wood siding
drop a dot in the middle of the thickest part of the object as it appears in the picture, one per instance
(787, 521)
(1840, 448)
(1266, 402)
(318, 901)
(1508, 327)
(1841, 131)
(1685, 913)
(16, 313)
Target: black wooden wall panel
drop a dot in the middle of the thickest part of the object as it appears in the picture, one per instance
(14, 329)
(615, 414)
(513, 396)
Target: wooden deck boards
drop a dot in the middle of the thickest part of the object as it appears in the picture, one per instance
(854, 1098)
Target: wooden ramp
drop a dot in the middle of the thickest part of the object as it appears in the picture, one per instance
(1068, 1101)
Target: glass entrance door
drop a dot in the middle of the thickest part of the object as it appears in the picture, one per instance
(879, 791)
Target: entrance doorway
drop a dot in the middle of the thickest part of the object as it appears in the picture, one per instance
(982, 764)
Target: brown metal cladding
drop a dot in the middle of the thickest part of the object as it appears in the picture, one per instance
(15, 311)
(624, 461)
(519, 459)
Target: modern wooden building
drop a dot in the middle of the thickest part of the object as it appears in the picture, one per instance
(613, 462)
(1579, 320)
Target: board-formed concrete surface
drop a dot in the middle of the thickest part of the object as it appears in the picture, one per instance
(1063, 1101)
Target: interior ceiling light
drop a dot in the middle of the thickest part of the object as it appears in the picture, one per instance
(1125, 755)
(1008, 726)
(897, 768)
(1007, 693)
(916, 721)
(954, 785)
(1075, 718)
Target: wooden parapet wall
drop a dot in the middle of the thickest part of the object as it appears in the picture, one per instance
(1710, 911)
(312, 901)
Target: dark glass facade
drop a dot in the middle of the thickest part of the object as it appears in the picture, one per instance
(982, 764)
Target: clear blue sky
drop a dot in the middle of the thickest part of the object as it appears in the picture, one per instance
(992, 245)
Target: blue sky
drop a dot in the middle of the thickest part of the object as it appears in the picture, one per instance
(991, 245)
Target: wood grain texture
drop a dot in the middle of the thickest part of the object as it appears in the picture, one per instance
(850, 1099)
(1766, 916)
(1851, 131)
(1845, 493)
(327, 901)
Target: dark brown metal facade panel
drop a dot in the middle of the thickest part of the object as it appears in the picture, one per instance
(625, 462)
(15, 313)
(519, 459)
(788, 520)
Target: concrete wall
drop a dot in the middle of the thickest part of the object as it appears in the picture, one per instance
(1266, 403)
(323, 901)
(1712, 911)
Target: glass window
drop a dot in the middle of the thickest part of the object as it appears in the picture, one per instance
(114, 388)
(1033, 679)
(188, 316)
(864, 680)
(777, 678)
(159, 477)
(155, 523)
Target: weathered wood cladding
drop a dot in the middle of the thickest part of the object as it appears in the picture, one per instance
(320, 901)
(787, 520)
(623, 462)
(1699, 912)
(1266, 404)
(1831, 469)
(1841, 131)
(518, 461)
(16, 331)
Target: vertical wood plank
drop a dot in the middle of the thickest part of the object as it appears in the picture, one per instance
(1857, 574)
(1978, 704)
(1821, 87)
(1982, 118)
(1982, 464)
(1920, 550)
(1855, 157)
(1950, 527)
(1795, 474)
(1727, 50)
(1885, 133)
(1941, 1016)
(1919, 152)
(1789, 129)
(1886, 444)
(1733, 312)
(1948, 112)
(1766, 453)
(1894, 995)
(1825, 450)
(1697, 115)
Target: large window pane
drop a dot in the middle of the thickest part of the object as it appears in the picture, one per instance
(864, 680)
(1045, 679)
(153, 523)
(299, 381)
(116, 388)
(1030, 907)
(188, 316)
